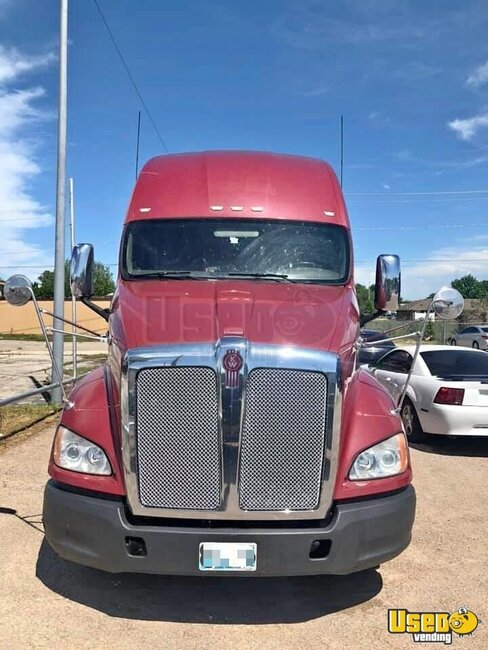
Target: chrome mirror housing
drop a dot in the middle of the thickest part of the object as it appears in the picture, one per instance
(387, 288)
(81, 271)
(448, 303)
(17, 290)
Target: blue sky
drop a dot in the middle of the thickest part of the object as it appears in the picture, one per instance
(410, 78)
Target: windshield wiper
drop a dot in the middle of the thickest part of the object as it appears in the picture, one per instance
(264, 276)
(171, 275)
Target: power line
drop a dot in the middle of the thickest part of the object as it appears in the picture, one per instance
(387, 193)
(420, 200)
(129, 74)
(442, 226)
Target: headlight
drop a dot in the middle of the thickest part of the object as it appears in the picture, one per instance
(78, 454)
(386, 458)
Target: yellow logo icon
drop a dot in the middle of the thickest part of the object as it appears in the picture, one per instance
(432, 627)
(463, 621)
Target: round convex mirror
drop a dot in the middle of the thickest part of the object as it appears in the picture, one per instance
(17, 290)
(448, 303)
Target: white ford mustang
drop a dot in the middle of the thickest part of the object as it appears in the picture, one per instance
(448, 393)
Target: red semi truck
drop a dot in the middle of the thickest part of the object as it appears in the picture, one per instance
(230, 431)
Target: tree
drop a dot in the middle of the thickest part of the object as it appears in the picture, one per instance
(103, 282)
(364, 300)
(468, 286)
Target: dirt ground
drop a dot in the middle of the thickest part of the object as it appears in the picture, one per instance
(25, 365)
(47, 603)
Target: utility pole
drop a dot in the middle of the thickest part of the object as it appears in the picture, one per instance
(58, 337)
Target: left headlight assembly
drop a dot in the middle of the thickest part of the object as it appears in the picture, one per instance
(77, 454)
(387, 458)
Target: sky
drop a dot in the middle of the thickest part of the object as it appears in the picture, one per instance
(409, 76)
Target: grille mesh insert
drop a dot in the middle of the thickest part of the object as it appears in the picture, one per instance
(178, 442)
(282, 446)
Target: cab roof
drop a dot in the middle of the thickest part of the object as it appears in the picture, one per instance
(238, 184)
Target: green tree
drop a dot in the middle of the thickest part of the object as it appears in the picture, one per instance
(364, 300)
(103, 282)
(483, 289)
(468, 286)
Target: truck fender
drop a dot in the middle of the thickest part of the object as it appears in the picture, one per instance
(92, 416)
(368, 417)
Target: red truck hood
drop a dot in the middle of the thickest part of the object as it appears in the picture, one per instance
(156, 312)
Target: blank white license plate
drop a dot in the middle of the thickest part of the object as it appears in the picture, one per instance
(227, 556)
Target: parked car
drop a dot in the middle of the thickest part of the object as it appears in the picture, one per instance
(472, 337)
(448, 393)
(372, 353)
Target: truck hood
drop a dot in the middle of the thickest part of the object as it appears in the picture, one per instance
(148, 313)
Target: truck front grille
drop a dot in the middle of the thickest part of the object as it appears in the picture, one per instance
(178, 439)
(282, 440)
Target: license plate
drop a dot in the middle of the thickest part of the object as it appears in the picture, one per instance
(227, 556)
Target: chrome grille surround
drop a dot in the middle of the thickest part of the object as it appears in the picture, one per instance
(282, 440)
(178, 441)
(231, 419)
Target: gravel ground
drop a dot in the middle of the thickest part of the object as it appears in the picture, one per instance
(47, 603)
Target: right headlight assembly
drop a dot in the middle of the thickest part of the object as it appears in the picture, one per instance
(386, 458)
(77, 454)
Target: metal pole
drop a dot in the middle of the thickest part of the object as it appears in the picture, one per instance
(57, 370)
(342, 147)
(74, 342)
(420, 337)
(35, 391)
(58, 339)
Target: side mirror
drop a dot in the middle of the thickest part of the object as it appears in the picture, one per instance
(81, 271)
(448, 303)
(387, 290)
(17, 290)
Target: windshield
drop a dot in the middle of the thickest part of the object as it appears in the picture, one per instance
(221, 248)
(456, 363)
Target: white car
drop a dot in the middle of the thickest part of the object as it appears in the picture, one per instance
(474, 336)
(448, 393)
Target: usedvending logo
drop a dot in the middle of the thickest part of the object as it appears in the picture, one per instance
(433, 627)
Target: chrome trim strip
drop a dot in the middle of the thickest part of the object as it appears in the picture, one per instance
(255, 355)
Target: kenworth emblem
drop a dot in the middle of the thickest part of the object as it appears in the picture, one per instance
(232, 364)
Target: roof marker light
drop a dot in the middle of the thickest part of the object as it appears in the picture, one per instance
(329, 214)
(237, 208)
(144, 209)
(257, 208)
(217, 208)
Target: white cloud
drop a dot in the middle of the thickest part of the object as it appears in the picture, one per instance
(416, 71)
(318, 25)
(479, 77)
(19, 210)
(419, 279)
(319, 90)
(385, 186)
(13, 63)
(466, 129)
(380, 119)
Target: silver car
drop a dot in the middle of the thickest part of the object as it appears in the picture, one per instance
(474, 336)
